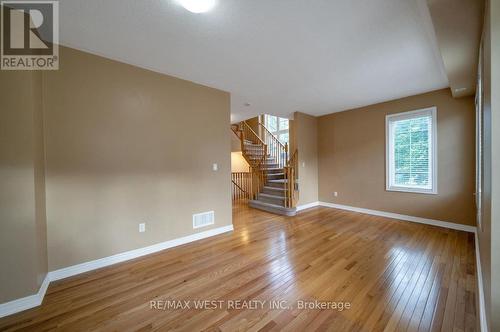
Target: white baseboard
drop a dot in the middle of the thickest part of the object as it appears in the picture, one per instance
(35, 300)
(128, 255)
(25, 303)
(439, 223)
(307, 206)
(482, 305)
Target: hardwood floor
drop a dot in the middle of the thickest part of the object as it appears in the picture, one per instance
(396, 276)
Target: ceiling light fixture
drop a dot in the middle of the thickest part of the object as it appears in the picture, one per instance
(198, 6)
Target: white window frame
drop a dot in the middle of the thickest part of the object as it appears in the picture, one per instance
(280, 131)
(433, 157)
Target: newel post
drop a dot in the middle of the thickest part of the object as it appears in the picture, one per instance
(286, 153)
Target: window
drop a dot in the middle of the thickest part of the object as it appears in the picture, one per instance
(278, 127)
(411, 151)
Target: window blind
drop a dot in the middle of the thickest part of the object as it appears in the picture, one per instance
(411, 151)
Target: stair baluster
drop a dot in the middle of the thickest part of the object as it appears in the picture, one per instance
(273, 174)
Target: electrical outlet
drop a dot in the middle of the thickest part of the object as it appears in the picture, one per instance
(303, 164)
(335, 194)
(142, 227)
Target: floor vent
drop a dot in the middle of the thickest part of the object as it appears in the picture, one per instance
(203, 219)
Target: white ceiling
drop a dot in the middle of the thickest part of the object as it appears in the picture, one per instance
(281, 56)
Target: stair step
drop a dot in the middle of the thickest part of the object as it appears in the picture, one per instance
(253, 158)
(254, 153)
(272, 169)
(253, 145)
(273, 208)
(260, 157)
(278, 181)
(275, 174)
(274, 189)
(273, 199)
(259, 153)
(266, 161)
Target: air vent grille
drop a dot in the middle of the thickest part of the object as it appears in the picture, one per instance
(203, 219)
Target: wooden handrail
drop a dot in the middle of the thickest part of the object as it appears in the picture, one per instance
(238, 186)
(239, 130)
(236, 130)
(276, 149)
(252, 134)
(241, 185)
(268, 132)
(258, 174)
(247, 133)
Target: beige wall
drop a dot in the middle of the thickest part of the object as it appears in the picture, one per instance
(123, 146)
(238, 162)
(235, 142)
(352, 159)
(304, 132)
(254, 124)
(489, 232)
(39, 171)
(484, 231)
(23, 255)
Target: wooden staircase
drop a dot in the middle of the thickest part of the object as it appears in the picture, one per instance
(274, 184)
